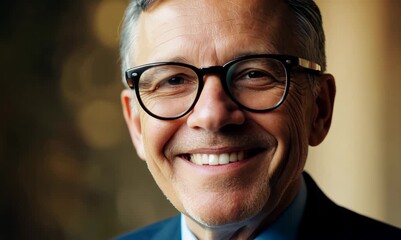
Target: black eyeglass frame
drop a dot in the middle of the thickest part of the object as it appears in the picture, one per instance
(133, 75)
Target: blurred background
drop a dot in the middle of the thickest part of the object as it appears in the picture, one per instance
(68, 169)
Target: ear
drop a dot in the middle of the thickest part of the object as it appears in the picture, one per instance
(323, 109)
(133, 121)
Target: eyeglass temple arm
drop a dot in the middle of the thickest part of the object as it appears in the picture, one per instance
(309, 65)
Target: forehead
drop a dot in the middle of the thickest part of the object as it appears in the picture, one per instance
(210, 24)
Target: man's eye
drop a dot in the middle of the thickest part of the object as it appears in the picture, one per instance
(254, 74)
(176, 84)
(257, 80)
(175, 81)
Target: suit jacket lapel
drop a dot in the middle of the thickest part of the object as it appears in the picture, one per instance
(170, 231)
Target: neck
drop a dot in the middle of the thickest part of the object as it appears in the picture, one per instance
(248, 228)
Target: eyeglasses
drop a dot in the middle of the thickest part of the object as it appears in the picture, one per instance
(257, 83)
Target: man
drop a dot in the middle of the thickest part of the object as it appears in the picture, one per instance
(224, 98)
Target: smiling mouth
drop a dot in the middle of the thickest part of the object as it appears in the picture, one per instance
(219, 159)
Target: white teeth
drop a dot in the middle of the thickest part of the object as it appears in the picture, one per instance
(217, 159)
(205, 159)
(213, 159)
(224, 158)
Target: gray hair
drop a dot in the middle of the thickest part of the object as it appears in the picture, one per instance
(128, 33)
(308, 31)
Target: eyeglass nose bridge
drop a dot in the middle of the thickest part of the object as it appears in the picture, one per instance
(218, 70)
(221, 71)
(214, 70)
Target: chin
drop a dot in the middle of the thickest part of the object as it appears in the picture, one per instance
(227, 211)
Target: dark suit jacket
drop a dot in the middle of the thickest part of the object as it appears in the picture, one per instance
(322, 219)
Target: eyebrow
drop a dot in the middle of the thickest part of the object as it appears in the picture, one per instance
(182, 59)
(179, 59)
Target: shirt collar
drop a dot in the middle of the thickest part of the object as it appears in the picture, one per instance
(186, 234)
(287, 225)
(284, 228)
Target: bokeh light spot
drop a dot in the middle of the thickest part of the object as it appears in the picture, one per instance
(107, 20)
(99, 122)
(89, 73)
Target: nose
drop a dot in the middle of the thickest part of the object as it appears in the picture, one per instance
(214, 108)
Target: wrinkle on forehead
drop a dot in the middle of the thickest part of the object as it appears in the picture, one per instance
(221, 21)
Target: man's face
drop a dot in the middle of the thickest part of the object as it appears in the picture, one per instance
(273, 145)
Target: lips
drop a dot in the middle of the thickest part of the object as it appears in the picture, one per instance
(221, 149)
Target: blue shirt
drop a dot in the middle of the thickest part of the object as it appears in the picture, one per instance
(284, 228)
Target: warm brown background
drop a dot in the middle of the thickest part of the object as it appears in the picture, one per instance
(67, 166)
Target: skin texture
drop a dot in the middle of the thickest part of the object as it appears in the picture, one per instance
(234, 200)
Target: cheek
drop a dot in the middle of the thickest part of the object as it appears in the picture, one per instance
(296, 110)
(155, 136)
(289, 127)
